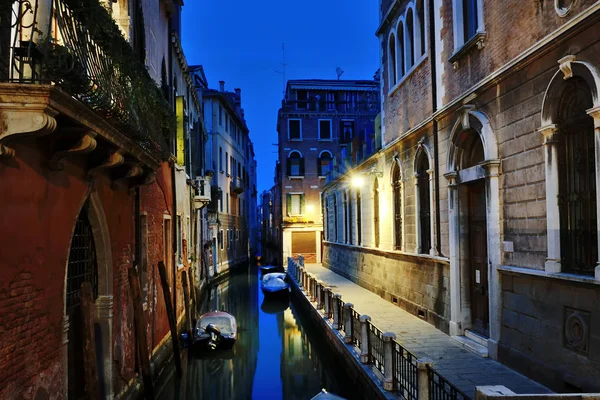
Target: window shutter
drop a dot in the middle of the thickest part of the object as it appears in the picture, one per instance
(319, 169)
(289, 167)
(302, 166)
(288, 206)
(302, 203)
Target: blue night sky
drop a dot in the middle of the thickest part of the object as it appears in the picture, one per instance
(239, 42)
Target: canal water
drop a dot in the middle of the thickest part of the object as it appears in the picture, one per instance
(277, 354)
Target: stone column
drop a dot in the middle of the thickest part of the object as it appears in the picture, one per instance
(454, 243)
(423, 377)
(388, 360)
(348, 322)
(595, 113)
(550, 133)
(336, 311)
(433, 241)
(364, 338)
(417, 219)
(492, 168)
(104, 316)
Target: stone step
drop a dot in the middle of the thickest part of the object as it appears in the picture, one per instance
(482, 340)
(472, 345)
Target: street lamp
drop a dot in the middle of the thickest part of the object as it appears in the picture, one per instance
(357, 181)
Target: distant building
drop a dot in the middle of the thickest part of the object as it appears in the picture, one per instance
(230, 161)
(321, 123)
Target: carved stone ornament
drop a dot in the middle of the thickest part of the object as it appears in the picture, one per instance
(565, 66)
(85, 145)
(464, 115)
(133, 172)
(576, 330)
(112, 161)
(23, 121)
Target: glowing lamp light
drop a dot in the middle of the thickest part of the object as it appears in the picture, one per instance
(358, 181)
(310, 208)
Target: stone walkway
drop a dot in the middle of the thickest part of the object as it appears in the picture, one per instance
(460, 366)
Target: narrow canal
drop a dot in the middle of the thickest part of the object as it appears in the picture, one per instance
(275, 356)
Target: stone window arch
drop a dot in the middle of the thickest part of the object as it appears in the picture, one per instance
(392, 57)
(295, 164)
(423, 188)
(401, 49)
(409, 39)
(420, 23)
(571, 130)
(398, 204)
(324, 162)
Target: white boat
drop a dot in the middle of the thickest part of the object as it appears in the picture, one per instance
(324, 395)
(274, 284)
(215, 330)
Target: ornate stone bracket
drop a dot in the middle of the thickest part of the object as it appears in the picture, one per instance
(133, 172)
(85, 145)
(565, 66)
(112, 161)
(464, 115)
(26, 122)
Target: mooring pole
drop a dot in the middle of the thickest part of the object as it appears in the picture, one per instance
(162, 270)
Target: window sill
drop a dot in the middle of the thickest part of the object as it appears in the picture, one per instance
(325, 140)
(563, 276)
(476, 41)
(296, 177)
(407, 74)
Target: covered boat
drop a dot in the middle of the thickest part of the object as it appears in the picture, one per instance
(215, 330)
(274, 284)
(324, 395)
(267, 269)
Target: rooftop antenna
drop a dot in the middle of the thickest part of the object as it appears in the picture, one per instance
(339, 72)
(283, 65)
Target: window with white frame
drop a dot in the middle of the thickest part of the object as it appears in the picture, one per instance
(295, 164)
(324, 163)
(392, 68)
(294, 129)
(468, 21)
(220, 239)
(424, 203)
(324, 129)
(295, 204)
(346, 131)
(409, 53)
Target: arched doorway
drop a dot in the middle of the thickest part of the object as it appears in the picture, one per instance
(89, 260)
(474, 227)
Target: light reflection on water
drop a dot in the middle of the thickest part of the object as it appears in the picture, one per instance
(275, 357)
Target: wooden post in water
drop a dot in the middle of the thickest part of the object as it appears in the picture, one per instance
(193, 294)
(140, 333)
(92, 384)
(186, 303)
(162, 270)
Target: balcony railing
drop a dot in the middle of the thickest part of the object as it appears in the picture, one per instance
(76, 46)
(202, 195)
(237, 186)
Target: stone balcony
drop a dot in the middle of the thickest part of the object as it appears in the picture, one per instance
(202, 192)
(236, 185)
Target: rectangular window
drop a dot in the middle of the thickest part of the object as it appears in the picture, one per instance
(346, 131)
(302, 99)
(295, 204)
(167, 247)
(226, 123)
(221, 239)
(227, 197)
(294, 166)
(179, 241)
(351, 101)
(330, 101)
(221, 159)
(227, 163)
(469, 19)
(294, 129)
(221, 203)
(324, 129)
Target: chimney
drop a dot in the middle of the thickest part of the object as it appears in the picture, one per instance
(238, 95)
(222, 86)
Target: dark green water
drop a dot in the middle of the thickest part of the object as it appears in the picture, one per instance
(276, 356)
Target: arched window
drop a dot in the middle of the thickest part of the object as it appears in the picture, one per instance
(295, 164)
(335, 218)
(324, 163)
(409, 45)
(420, 25)
(376, 212)
(358, 218)
(82, 267)
(397, 190)
(424, 203)
(577, 180)
(346, 221)
(392, 60)
(401, 48)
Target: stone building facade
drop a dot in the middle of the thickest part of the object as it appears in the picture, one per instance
(316, 125)
(230, 162)
(479, 214)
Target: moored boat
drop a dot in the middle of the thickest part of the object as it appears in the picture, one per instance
(274, 284)
(267, 269)
(215, 330)
(325, 395)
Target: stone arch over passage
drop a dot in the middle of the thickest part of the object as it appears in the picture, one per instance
(571, 131)
(89, 259)
(474, 226)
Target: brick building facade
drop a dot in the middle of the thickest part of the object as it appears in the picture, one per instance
(480, 212)
(316, 126)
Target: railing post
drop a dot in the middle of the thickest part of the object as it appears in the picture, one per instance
(301, 260)
(364, 338)
(326, 305)
(319, 295)
(336, 311)
(348, 322)
(423, 377)
(314, 288)
(388, 360)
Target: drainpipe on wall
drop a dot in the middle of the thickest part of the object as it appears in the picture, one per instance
(173, 183)
(436, 158)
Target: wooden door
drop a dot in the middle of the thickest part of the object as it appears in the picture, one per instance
(478, 259)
